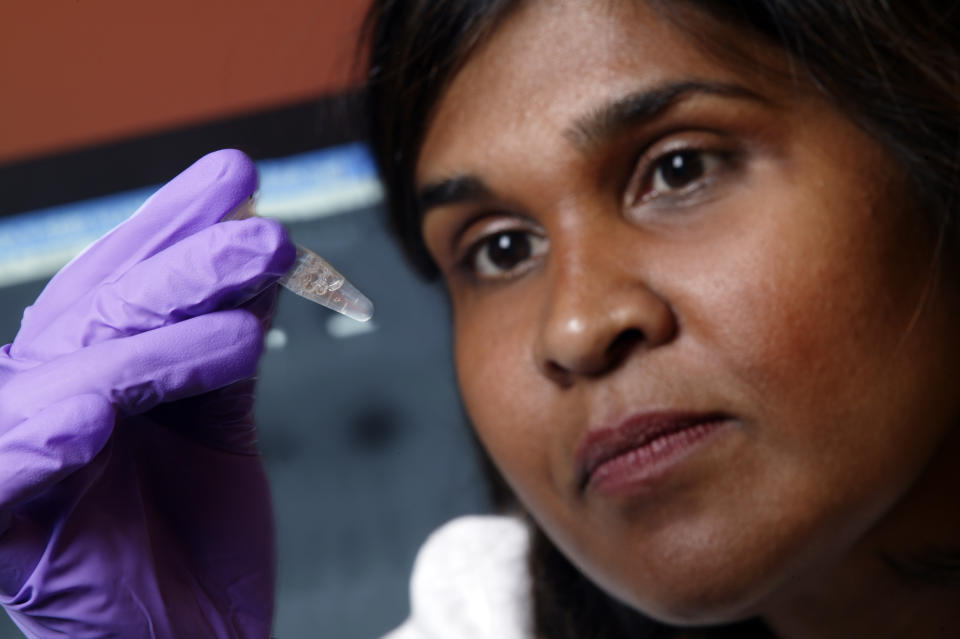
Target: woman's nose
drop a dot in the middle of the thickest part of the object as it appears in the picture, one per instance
(596, 314)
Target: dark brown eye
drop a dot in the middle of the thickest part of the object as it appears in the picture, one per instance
(504, 253)
(506, 250)
(679, 169)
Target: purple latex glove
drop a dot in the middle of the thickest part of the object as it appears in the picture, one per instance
(133, 501)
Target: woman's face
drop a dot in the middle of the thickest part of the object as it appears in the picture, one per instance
(696, 321)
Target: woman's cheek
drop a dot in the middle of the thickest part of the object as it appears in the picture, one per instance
(497, 378)
(813, 322)
(514, 409)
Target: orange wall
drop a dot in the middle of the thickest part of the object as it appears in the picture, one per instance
(80, 72)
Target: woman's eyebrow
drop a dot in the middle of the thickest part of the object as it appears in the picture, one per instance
(455, 190)
(596, 128)
(606, 122)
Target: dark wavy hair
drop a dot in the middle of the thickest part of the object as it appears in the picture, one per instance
(892, 67)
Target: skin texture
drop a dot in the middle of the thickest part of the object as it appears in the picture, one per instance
(791, 287)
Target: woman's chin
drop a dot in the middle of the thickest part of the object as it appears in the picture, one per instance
(698, 587)
(699, 603)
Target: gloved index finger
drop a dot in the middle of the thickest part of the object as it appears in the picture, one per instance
(218, 267)
(195, 199)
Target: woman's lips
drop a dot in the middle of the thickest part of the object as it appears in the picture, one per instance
(627, 457)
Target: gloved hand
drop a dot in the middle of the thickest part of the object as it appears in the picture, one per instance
(133, 501)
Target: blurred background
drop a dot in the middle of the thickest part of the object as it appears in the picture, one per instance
(360, 424)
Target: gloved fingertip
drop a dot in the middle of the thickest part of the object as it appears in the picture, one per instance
(230, 169)
(248, 336)
(253, 247)
(280, 246)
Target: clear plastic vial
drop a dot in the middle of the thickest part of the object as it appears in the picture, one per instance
(313, 278)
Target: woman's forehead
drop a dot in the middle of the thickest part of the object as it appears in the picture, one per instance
(549, 65)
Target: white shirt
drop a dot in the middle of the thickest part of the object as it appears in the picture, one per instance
(470, 581)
